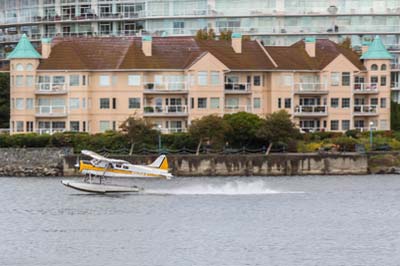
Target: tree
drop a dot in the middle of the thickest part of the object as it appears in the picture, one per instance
(395, 116)
(137, 130)
(244, 127)
(211, 128)
(278, 127)
(4, 100)
(346, 43)
(225, 35)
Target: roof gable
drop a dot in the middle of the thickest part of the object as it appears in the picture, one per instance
(24, 50)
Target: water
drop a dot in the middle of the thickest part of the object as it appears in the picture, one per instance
(352, 220)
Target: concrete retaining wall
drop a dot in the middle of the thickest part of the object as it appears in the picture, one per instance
(60, 162)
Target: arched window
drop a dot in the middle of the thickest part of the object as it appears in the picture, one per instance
(29, 67)
(374, 67)
(19, 67)
(383, 67)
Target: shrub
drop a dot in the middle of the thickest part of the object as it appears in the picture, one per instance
(308, 147)
(345, 143)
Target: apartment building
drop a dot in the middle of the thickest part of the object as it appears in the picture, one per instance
(93, 84)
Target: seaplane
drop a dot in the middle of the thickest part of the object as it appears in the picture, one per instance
(99, 170)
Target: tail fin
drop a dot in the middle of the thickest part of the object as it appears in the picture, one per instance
(161, 162)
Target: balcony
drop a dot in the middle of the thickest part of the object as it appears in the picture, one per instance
(395, 67)
(310, 88)
(310, 129)
(168, 88)
(173, 130)
(169, 110)
(50, 131)
(311, 110)
(51, 111)
(237, 88)
(365, 88)
(365, 110)
(51, 88)
(231, 109)
(395, 86)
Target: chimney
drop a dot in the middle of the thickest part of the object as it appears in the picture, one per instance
(46, 47)
(364, 47)
(146, 45)
(237, 42)
(310, 46)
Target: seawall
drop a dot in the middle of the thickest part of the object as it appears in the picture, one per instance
(60, 162)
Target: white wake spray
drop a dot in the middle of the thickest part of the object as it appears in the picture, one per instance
(230, 188)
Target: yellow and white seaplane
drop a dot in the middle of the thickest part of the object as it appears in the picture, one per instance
(99, 168)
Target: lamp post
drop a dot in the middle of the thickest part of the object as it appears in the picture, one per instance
(370, 134)
(159, 138)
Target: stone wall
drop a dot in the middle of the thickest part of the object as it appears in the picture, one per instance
(32, 161)
(251, 165)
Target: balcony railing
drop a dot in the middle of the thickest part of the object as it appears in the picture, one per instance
(395, 66)
(311, 110)
(310, 88)
(310, 129)
(365, 109)
(395, 86)
(165, 87)
(165, 110)
(173, 130)
(365, 88)
(237, 87)
(51, 88)
(50, 130)
(51, 110)
(229, 109)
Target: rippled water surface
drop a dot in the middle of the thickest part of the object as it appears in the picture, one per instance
(352, 220)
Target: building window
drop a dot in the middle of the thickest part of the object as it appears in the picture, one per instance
(215, 78)
(288, 103)
(74, 126)
(29, 81)
(202, 103)
(29, 126)
(84, 80)
(19, 67)
(191, 103)
(383, 67)
(29, 67)
(59, 80)
(74, 80)
(114, 103)
(29, 103)
(104, 126)
(345, 125)
(257, 80)
(334, 102)
(374, 101)
(19, 81)
(19, 103)
(384, 124)
(279, 103)
(202, 78)
(105, 81)
(383, 80)
(334, 124)
(374, 80)
(345, 102)
(134, 103)
(20, 126)
(134, 80)
(383, 102)
(74, 103)
(335, 78)
(374, 67)
(104, 103)
(257, 103)
(345, 78)
(214, 103)
(83, 103)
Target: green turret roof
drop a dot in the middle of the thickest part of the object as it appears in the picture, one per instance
(377, 50)
(24, 50)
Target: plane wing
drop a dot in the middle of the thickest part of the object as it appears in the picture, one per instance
(100, 157)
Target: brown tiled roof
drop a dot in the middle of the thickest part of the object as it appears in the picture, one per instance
(167, 53)
(295, 57)
(5, 68)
